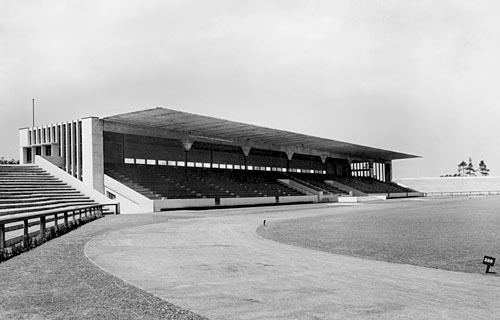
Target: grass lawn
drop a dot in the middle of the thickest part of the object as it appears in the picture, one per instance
(56, 281)
(451, 234)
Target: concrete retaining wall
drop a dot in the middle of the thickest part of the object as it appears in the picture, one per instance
(300, 187)
(452, 184)
(292, 199)
(130, 200)
(246, 201)
(182, 203)
(345, 188)
(72, 181)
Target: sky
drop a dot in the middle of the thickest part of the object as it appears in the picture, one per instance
(418, 77)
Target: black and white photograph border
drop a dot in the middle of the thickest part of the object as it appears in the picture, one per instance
(249, 159)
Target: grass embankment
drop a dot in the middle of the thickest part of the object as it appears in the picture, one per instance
(57, 281)
(450, 234)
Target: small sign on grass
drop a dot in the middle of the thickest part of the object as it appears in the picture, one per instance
(489, 262)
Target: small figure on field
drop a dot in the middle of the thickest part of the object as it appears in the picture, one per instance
(264, 222)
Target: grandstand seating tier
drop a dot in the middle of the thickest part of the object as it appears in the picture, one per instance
(30, 189)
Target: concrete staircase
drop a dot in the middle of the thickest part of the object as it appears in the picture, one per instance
(26, 189)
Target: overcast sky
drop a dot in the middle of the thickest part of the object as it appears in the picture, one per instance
(419, 77)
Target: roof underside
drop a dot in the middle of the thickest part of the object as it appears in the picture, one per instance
(235, 132)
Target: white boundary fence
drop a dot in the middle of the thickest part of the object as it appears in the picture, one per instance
(462, 193)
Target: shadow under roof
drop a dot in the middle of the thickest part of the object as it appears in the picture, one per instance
(236, 132)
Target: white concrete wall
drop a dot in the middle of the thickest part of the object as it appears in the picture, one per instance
(57, 161)
(451, 184)
(246, 201)
(130, 200)
(93, 153)
(291, 199)
(183, 203)
(72, 181)
(23, 142)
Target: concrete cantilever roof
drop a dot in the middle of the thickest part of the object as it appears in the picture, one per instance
(249, 135)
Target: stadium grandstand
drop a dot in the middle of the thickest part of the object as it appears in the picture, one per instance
(158, 159)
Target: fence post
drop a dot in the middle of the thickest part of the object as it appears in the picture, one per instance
(56, 227)
(26, 235)
(66, 224)
(2, 236)
(42, 227)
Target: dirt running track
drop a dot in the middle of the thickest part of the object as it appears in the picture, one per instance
(217, 266)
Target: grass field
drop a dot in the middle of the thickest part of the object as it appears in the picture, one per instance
(451, 234)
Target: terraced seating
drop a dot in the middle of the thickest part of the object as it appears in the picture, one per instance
(316, 182)
(157, 182)
(27, 189)
(370, 185)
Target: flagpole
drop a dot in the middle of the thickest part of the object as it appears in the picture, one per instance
(33, 112)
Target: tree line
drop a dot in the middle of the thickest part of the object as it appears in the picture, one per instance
(465, 169)
(11, 161)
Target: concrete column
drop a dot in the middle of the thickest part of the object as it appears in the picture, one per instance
(323, 160)
(289, 156)
(187, 144)
(60, 140)
(388, 171)
(246, 151)
(93, 153)
(73, 147)
(67, 145)
(78, 150)
(23, 142)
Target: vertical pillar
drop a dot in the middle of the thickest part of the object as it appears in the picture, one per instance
(25, 234)
(67, 145)
(246, 151)
(73, 147)
(323, 160)
(211, 159)
(78, 150)
(187, 144)
(24, 141)
(289, 156)
(92, 171)
(60, 138)
(388, 171)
